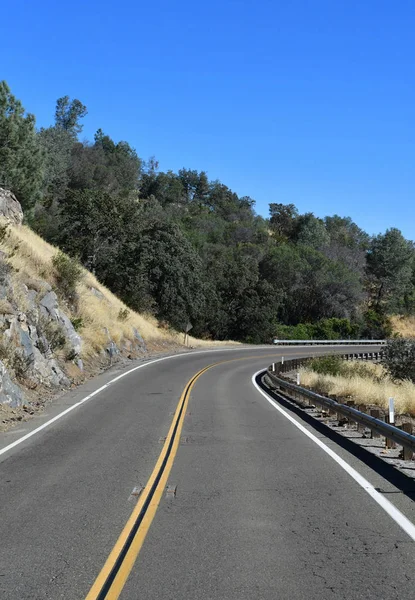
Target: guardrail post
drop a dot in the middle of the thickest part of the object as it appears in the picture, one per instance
(330, 411)
(360, 427)
(407, 453)
(389, 444)
(352, 404)
(339, 416)
(374, 412)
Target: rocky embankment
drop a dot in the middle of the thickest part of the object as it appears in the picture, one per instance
(40, 348)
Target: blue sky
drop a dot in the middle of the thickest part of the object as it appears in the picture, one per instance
(304, 102)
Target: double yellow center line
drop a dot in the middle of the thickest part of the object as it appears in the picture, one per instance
(114, 574)
(111, 580)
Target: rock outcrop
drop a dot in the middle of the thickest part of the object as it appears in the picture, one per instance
(32, 328)
(10, 208)
(10, 393)
(50, 308)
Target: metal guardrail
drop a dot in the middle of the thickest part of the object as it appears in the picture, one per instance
(390, 432)
(295, 363)
(330, 342)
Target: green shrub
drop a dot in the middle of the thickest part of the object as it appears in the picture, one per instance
(335, 329)
(53, 332)
(68, 274)
(399, 359)
(14, 358)
(20, 364)
(77, 322)
(327, 365)
(325, 329)
(376, 325)
(71, 355)
(123, 314)
(294, 332)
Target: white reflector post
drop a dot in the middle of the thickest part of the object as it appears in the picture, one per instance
(391, 410)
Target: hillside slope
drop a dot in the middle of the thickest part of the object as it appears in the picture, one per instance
(49, 342)
(103, 315)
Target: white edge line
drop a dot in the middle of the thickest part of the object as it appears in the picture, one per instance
(387, 506)
(77, 404)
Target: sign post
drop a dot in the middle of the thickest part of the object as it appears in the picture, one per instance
(189, 326)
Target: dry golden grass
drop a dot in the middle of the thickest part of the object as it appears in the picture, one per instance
(31, 258)
(404, 326)
(5, 307)
(375, 389)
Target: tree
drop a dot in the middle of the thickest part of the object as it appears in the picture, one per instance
(311, 231)
(105, 166)
(224, 202)
(166, 187)
(163, 265)
(189, 180)
(312, 286)
(348, 243)
(68, 113)
(56, 144)
(94, 227)
(282, 219)
(21, 159)
(202, 189)
(121, 161)
(346, 233)
(389, 269)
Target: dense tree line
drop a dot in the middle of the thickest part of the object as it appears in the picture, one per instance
(183, 247)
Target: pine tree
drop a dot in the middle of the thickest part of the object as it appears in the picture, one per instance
(20, 155)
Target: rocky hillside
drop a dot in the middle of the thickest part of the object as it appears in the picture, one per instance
(52, 335)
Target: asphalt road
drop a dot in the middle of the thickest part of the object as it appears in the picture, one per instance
(260, 510)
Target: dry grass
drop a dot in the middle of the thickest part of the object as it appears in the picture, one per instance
(5, 307)
(31, 258)
(373, 389)
(404, 326)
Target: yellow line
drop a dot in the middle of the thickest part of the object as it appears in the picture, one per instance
(135, 547)
(127, 564)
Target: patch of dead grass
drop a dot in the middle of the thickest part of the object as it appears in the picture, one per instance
(364, 390)
(403, 325)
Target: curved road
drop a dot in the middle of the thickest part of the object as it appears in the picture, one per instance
(260, 511)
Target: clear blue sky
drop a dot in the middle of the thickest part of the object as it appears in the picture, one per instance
(309, 102)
